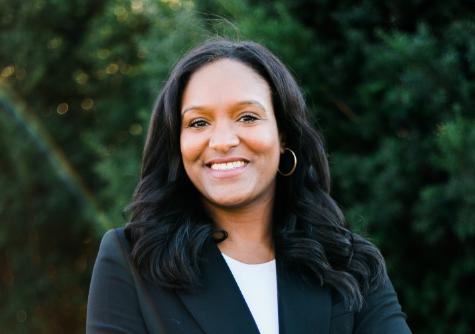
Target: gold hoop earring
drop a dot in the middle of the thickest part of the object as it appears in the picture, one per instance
(292, 170)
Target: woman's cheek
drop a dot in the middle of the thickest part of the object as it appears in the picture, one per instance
(191, 146)
(264, 140)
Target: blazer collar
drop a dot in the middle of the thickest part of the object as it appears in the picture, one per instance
(303, 308)
(219, 307)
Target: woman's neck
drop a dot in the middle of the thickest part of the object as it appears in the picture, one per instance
(249, 231)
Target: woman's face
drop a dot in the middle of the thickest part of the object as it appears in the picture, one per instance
(229, 139)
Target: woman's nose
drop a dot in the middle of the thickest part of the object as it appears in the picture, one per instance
(223, 138)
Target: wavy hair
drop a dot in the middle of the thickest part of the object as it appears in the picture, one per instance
(168, 226)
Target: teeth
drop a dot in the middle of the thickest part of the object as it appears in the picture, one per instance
(228, 165)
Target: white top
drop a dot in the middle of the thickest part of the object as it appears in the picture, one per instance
(258, 285)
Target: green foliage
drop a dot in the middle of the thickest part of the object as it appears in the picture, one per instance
(79, 81)
(391, 86)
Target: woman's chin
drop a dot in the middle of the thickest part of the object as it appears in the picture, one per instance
(227, 201)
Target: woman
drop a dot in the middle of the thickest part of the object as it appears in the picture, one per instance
(233, 229)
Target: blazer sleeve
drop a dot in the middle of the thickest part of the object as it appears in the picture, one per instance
(113, 306)
(382, 313)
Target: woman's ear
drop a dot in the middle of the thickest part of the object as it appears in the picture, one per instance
(282, 143)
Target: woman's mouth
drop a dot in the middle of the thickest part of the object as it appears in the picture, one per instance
(228, 165)
(227, 168)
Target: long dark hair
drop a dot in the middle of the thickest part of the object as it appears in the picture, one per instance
(168, 226)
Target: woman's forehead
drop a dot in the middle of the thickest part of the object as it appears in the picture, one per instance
(225, 81)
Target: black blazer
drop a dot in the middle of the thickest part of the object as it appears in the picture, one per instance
(120, 301)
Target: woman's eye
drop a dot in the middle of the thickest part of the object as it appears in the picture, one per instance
(198, 123)
(248, 118)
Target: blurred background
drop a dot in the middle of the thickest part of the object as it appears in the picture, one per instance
(391, 85)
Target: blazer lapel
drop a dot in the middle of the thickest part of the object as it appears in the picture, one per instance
(218, 306)
(303, 308)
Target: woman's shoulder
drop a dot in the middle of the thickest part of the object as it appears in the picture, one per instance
(382, 311)
(114, 245)
(112, 300)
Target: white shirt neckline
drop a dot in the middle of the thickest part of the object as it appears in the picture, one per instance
(227, 257)
(258, 285)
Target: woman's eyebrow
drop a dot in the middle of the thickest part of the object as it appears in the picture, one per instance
(252, 102)
(193, 108)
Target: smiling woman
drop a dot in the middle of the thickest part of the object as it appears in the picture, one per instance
(224, 237)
